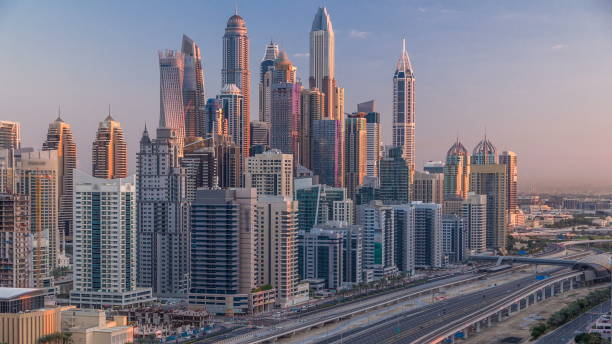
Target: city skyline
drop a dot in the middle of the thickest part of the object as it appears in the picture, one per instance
(529, 63)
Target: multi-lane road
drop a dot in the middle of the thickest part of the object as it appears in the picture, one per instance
(399, 329)
(408, 328)
(566, 333)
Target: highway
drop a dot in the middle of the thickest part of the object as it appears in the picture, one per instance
(566, 333)
(369, 304)
(357, 306)
(407, 328)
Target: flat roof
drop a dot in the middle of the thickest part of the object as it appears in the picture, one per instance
(10, 293)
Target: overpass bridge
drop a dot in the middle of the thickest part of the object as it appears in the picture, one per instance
(593, 272)
(583, 242)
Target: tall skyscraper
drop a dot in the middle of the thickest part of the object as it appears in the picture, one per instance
(236, 71)
(403, 229)
(474, 211)
(338, 102)
(355, 152)
(59, 138)
(284, 70)
(428, 187)
(484, 153)
(15, 241)
(395, 176)
(321, 48)
(378, 235)
(428, 235)
(434, 167)
(327, 257)
(223, 253)
(105, 243)
(8, 171)
(328, 151)
(403, 107)
(260, 133)
(163, 215)
(109, 151)
(200, 166)
(454, 238)
(373, 146)
(316, 204)
(38, 179)
(265, 82)
(321, 253)
(457, 172)
(311, 110)
(271, 173)
(508, 159)
(366, 107)
(277, 251)
(193, 88)
(214, 122)
(285, 118)
(229, 165)
(171, 83)
(212, 162)
(344, 211)
(10, 135)
(322, 64)
(491, 180)
(353, 251)
(232, 103)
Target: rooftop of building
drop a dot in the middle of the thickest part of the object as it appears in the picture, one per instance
(12, 293)
(322, 21)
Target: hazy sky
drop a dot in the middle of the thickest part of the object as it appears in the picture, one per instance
(536, 74)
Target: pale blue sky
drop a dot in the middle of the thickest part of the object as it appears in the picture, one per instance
(536, 74)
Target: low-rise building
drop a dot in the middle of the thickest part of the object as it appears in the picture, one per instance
(89, 326)
(24, 319)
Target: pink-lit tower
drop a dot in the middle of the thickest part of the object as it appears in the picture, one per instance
(236, 70)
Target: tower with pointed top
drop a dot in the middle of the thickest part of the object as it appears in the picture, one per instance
(489, 178)
(285, 116)
(403, 107)
(163, 215)
(109, 151)
(457, 172)
(265, 82)
(193, 88)
(322, 64)
(59, 138)
(484, 153)
(236, 71)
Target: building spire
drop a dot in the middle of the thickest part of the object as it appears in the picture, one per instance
(109, 117)
(59, 114)
(403, 64)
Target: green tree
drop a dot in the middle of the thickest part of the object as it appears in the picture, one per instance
(538, 330)
(56, 338)
(589, 338)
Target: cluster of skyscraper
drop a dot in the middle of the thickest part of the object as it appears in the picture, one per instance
(239, 215)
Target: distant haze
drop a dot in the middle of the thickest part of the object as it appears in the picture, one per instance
(536, 74)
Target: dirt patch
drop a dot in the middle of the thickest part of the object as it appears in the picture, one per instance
(519, 325)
